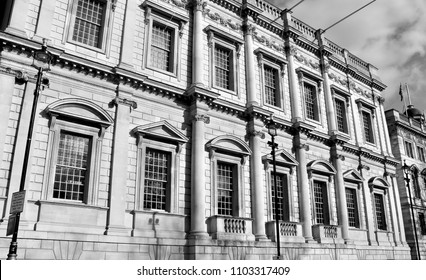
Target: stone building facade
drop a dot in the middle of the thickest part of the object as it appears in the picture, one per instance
(150, 141)
(408, 139)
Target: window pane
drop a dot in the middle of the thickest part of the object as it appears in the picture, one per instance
(422, 223)
(156, 179)
(341, 115)
(161, 49)
(320, 198)
(71, 167)
(225, 189)
(270, 85)
(283, 199)
(222, 67)
(380, 213)
(88, 22)
(351, 202)
(310, 101)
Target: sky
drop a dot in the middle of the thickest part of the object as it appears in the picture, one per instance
(389, 34)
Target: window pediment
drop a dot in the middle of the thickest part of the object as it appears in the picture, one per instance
(321, 166)
(162, 130)
(229, 144)
(353, 176)
(213, 31)
(378, 182)
(80, 110)
(282, 158)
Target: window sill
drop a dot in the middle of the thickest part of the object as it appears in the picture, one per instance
(60, 202)
(165, 72)
(88, 47)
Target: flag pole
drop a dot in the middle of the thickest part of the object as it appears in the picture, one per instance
(408, 93)
(402, 98)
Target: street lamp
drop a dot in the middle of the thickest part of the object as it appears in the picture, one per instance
(272, 130)
(41, 61)
(407, 172)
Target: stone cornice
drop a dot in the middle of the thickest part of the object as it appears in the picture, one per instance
(408, 128)
(228, 107)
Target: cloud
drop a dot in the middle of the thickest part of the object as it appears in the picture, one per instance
(390, 34)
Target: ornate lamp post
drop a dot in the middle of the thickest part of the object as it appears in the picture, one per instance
(41, 61)
(272, 130)
(407, 173)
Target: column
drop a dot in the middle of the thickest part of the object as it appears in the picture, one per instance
(19, 149)
(17, 18)
(117, 198)
(290, 50)
(331, 114)
(385, 127)
(197, 43)
(126, 53)
(250, 64)
(44, 24)
(198, 172)
(300, 147)
(398, 210)
(258, 200)
(6, 94)
(337, 157)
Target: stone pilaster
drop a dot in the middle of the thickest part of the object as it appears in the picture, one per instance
(198, 172)
(197, 43)
(300, 147)
(250, 63)
(342, 210)
(119, 165)
(126, 53)
(255, 136)
(17, 18)
(291, 50)
(44, 24)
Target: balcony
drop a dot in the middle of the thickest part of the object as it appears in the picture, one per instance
(289, 231)
(327, 234)
(230, 228)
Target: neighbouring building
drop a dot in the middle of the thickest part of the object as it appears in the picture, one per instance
(407, 133)
(150, 137)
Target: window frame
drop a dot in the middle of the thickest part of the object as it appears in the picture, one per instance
(379, 186)
(421, 153)
(326, 201)
(229, 150)
(278, 64)
(409, 150)
(357, 211)
(344, 97)
(353, 180)
(106, 28)
(422, 221)
(62, 119)
(315, 81)
(171, 141)
(285, 165)
(366, 108)
(162, 15)
(217, 37)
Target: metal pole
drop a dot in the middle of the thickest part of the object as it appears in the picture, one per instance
(14, 244)
(277, 221)
(412, 216)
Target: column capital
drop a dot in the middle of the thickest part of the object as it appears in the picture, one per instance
(199, 5)
(256, 133)
(248, 28)
(123, 101)
(201, 117)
